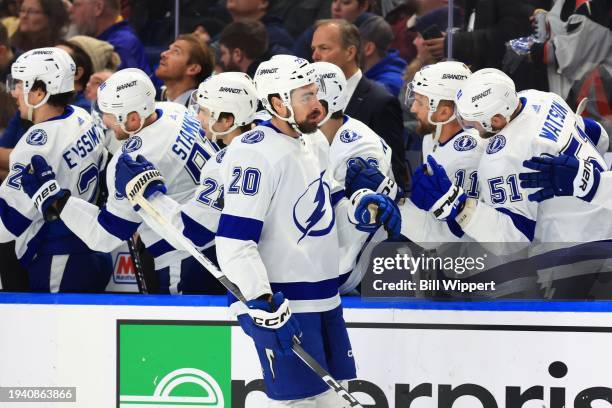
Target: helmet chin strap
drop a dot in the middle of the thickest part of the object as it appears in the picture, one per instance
(439, 125)
(215, 134)
(26, 96)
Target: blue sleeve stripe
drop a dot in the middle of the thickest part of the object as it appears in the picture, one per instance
(592, 129)
(160, 248)
(12, 219)
(196, 232)
(522, 223)
(242, 228)
(307, 290)
(117, 226)
(336, 197)
(454, 227)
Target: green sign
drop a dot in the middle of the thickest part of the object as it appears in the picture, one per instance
(174, 365)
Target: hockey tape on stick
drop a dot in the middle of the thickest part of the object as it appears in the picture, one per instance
(163, 227)
(138, 185)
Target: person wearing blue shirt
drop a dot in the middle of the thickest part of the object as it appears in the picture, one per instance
(381, 64)
(102, 19)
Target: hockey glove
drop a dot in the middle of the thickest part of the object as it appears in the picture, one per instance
(271, 324)
(436, 193)
(562, 175)
(361, 174)
(137, 177)
(365, 205)
(39, 183)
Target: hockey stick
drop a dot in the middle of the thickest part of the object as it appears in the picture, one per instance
(175, 238)
(138, 270)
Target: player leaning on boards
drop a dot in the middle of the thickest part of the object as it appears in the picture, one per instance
(530, 123)
(350, 140)
(170, 138)
(64, 136)
(225, 104)
(277, 240)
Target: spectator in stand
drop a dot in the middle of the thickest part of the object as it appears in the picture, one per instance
(353, 11)
(402, 37)
(182, 67)
(301, 15)
(244, 45)
(261, 10)
(84, 70)
(380, 63)
(102, 19)
(102, 53)
(42, 23)
(8, 54)
(338, 42)
(489, 25)
(9, 15)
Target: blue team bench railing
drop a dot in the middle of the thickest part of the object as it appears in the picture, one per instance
(348, 302)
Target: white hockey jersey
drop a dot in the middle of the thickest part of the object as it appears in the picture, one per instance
(545, 125)
(178, 149)
(352, 140)
(277, 231)
(460, 156)
(73, 147)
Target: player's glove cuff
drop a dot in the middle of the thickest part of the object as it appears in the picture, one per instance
(449, 204)
(586, 181)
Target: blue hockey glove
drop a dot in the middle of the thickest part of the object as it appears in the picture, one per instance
(361, 174)
(271, 324)
(364, 204)
(39, 183)
(137, 177)
(435, 192)
(562, 175)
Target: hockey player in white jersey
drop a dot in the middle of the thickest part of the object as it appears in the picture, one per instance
(431, 98)
(530, 123)
(226, 104)
(350, 140)
(171, 139)
(277, 240)
(64, 136)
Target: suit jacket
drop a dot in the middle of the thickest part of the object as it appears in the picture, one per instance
(377, 108)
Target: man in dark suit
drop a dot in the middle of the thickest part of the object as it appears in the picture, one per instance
(338, 42)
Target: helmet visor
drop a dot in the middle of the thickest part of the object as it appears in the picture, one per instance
(193, 107)
(96, 115)
(12, 83)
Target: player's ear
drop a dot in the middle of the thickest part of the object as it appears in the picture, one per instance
(498, 121)
(278, 105)
(237, 55)
(133, 121)
(369, 48)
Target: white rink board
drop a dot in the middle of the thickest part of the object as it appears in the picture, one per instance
(76, 345)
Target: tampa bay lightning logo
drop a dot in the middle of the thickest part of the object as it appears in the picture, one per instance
(313, 214)
(255, 136)
(348, 136)
(132, 144)
(38, 137)
(464, 143)
(496, 143)
(220, 155)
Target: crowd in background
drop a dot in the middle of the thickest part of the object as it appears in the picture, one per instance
(378, 44)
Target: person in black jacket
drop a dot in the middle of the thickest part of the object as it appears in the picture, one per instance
(338, 41)
(489, 24)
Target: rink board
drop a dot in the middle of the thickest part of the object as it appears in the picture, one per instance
(155, 351)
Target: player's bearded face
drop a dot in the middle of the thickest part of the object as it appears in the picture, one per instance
(306, 108)
(420, 109)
